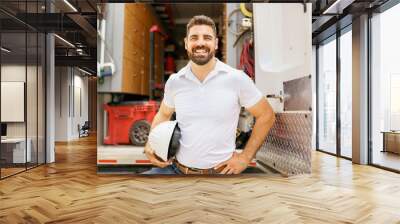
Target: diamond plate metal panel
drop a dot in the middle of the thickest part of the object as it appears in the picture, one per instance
(288, 145)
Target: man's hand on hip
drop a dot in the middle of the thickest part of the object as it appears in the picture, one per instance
(154, 159)
(235, 165)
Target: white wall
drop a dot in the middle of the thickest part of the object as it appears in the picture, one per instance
(13, 73)
(61, 103)
(113, 46)
(71, 87)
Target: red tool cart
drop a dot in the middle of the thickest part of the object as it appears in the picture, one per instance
(129, 123)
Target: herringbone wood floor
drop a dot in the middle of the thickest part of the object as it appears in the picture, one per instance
(70, 191)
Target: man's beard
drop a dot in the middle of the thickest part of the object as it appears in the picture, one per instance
(200, 59)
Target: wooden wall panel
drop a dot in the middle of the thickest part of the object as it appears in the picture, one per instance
(146, 55)
(130, 79)
(158, 59)
(139, 18)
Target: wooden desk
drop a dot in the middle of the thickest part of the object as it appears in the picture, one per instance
(391, 141)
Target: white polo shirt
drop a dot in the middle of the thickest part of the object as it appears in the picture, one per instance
(208, 112)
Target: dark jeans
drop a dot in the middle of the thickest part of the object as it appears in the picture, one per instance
(171, 169)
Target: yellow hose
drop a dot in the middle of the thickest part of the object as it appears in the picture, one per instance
(245, 11)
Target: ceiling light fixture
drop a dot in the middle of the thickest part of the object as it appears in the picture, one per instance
(5, 50)
(331, 7)
(84, 71)
(337, 7)
(65, 41)
(70, 5)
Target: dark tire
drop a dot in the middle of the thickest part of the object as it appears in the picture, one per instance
(139, 132)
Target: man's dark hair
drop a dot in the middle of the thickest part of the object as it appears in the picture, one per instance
(201, 20)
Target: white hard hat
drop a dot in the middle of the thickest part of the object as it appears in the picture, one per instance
(164, 139)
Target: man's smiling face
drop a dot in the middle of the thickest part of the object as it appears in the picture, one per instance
(201, 44)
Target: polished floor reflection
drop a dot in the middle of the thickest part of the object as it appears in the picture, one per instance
(387, 159)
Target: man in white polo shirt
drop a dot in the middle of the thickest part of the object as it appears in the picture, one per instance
(207, 96)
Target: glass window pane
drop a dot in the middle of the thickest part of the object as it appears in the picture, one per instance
(13, 85)
(41, 99)
(386, 89)
(22, 76)
(31, 97)
(346, 94)
(327, 97)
